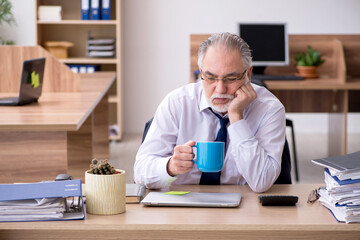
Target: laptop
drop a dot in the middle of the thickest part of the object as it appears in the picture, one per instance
(30, 83)
(192, 199)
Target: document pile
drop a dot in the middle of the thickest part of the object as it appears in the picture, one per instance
(342, 193)
(101, 47)
(49, 13)
(55, 200)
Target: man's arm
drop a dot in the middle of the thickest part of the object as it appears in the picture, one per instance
(258, 157)
(159, 160)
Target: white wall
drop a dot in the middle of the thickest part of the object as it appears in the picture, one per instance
(156, 37)
(157, 51)
(23, 32)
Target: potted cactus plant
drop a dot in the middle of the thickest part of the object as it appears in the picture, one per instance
(105, 188)
(308, 62)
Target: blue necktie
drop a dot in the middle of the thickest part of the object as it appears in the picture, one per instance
(213, 178)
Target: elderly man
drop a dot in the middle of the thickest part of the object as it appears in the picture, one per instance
(224, 99)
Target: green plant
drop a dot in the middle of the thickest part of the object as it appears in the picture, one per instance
(101, 167)
(310, 58)
(5, 12)
(6, 16)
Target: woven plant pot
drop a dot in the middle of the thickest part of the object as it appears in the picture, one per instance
(105, 194)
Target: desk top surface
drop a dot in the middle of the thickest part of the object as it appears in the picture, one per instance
(56, 111)
(314, 84)
(250, 215)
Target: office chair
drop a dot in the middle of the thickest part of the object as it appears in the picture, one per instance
(289, 123)
(285, 174)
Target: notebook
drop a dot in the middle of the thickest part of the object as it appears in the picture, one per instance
(31, 82)
(192, 199)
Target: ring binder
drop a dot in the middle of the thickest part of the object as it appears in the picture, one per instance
(43, 201)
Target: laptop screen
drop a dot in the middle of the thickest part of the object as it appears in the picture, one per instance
(31, 80)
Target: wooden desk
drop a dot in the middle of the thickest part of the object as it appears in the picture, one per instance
(249, 221)
(61, 133)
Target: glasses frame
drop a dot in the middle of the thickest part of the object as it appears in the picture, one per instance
(225, 79)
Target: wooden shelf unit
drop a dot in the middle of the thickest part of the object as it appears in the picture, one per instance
(336, 91)
(71, 28)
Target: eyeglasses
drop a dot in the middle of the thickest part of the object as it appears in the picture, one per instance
(226, 80)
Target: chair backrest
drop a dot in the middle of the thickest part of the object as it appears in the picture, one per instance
(285, 174)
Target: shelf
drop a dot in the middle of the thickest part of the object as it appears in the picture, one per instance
(115, 138)
(79, 22)
(83, 60)
(113, 99)
(75, 30)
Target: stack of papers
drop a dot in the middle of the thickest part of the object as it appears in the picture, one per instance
(55, 200)
(342, 193)
(101, 47)
(49, 13)
(32, 209)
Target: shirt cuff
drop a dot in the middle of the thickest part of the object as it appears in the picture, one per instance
(163, 174)
(240, 130)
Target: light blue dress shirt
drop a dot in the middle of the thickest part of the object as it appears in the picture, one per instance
(254, 145)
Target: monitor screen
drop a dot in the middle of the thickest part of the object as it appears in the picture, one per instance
(268, 42)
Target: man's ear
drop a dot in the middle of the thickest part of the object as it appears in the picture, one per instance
(248, 75)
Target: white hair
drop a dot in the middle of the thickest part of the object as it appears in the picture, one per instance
(230, 42)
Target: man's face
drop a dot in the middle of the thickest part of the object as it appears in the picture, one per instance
(220, 63)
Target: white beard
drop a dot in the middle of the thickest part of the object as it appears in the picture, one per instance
(223, 108)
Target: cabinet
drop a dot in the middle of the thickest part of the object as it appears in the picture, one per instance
(72, 29)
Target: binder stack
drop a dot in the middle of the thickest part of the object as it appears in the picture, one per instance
(95, 9)
(342, 193)
(43, 201)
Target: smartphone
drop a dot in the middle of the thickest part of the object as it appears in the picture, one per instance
(278, 200)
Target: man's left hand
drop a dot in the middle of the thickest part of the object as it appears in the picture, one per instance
(243, 97)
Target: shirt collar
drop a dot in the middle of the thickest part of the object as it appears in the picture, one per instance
(203, 104)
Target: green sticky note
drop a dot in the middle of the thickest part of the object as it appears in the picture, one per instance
(35, 79)
(176, 193)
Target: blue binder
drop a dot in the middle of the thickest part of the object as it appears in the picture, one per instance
(95, 9)
(85, 9)
(342, 182)
(105, 10)
(10, 193)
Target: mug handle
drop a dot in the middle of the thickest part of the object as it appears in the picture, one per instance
(195, 153)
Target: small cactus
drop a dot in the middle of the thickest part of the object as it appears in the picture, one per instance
(101, 167)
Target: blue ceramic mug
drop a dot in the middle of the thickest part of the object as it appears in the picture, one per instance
(209, 156)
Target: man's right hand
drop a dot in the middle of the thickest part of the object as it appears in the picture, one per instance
(181, 160)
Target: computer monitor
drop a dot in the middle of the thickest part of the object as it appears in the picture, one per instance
(268, 42)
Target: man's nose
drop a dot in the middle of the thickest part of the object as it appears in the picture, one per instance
(220, 86)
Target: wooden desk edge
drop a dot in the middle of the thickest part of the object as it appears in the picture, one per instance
(85, 80)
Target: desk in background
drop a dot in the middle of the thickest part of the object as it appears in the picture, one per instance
(61, 133)
(336, 91)
(249, 221)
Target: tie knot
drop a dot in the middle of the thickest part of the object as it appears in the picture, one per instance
(223, 121)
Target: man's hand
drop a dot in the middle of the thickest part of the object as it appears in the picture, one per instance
(243, 97)
(181, 160)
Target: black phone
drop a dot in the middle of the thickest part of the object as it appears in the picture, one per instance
(278, 200)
